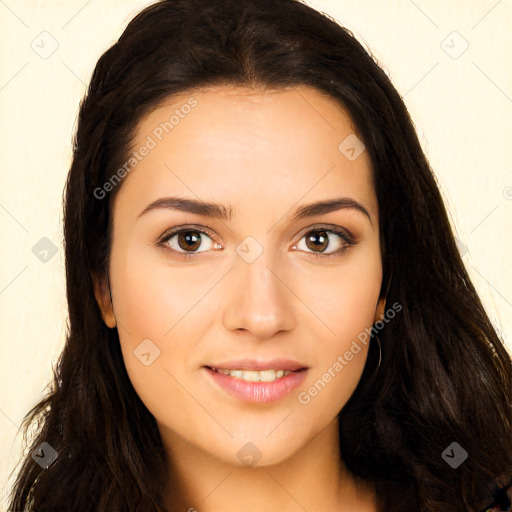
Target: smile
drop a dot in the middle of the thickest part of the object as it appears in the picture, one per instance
(255, 386)
(253, 375)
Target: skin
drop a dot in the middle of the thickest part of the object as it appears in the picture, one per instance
(264, 153)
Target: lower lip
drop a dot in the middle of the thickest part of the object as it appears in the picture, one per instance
(258, 392)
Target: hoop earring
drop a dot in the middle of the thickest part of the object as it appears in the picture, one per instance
(380, 351)
(110, 293)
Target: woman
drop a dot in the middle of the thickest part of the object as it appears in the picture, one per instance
(267, 307)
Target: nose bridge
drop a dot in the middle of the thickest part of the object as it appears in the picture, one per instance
(258, 300)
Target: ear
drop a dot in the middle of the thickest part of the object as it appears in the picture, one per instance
(103, 298)
(379, 310)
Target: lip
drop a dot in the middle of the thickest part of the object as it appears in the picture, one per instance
(256, 392)
(260, 364)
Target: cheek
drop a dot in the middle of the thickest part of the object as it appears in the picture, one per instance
(356, 306)
(151, 298)
(343, 300)
(343, 303)
(157, 303)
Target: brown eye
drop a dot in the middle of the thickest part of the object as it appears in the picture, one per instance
(318, 241)
(189, 240)
(183, 241)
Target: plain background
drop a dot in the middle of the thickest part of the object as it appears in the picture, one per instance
(458, 97)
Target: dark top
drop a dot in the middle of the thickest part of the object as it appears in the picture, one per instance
(502, 500)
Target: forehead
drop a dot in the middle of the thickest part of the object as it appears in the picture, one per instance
(229, 142)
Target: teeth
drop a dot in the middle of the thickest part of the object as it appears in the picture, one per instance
(254, 376)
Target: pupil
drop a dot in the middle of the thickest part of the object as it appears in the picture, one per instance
(191, 241)
(321, 236)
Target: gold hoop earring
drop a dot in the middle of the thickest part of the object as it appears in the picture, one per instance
(380, 351)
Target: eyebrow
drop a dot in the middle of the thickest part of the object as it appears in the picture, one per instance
(219, 211)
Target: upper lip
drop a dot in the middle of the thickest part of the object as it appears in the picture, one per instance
(259, 364)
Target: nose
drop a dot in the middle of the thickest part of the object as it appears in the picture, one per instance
(258, 300)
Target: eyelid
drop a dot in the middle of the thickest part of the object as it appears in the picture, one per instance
(329, 227)
(203, 229)
(348, 238)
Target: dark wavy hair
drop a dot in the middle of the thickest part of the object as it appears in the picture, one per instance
(445, 374)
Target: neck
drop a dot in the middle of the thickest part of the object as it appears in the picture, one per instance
(314, 478)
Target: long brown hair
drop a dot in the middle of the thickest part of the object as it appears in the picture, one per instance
(445, 375)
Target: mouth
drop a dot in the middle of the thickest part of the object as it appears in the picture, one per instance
(269, 375)
(256, 385)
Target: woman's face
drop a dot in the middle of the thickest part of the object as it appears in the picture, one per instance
(262, 284)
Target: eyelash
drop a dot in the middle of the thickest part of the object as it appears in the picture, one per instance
(346, 236)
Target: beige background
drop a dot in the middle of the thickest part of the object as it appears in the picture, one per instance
(459, 100)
